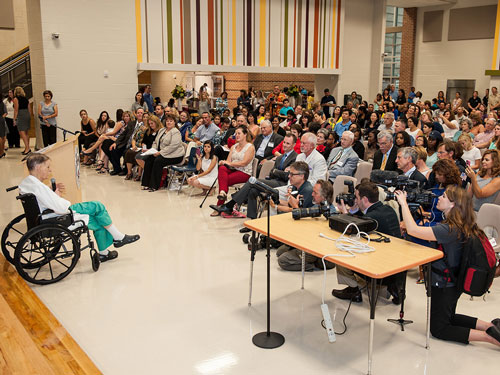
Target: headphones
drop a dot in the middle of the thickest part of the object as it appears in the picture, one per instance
(381, 238)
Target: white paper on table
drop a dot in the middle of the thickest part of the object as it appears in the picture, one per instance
(151, 151)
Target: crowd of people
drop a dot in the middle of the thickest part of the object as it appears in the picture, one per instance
(448, 147)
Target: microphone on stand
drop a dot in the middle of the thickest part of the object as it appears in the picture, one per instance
(275, 195)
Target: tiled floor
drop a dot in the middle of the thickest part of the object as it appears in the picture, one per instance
(176, 301)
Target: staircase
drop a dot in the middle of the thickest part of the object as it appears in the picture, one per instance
(15, 71)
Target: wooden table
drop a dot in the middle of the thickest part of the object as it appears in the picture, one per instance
(388, 259)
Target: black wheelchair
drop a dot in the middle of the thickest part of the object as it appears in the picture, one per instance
(45, 249)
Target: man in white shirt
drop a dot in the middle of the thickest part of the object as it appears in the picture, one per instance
(343, 160)
(387, 123)
(94, 214)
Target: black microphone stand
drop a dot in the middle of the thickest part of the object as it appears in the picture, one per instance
(64, 131)
(268, 339)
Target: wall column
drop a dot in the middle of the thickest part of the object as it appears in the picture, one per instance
(408, 49)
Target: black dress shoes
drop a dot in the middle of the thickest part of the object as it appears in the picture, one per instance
(348, 293)
(112, 254)
(114, 173)
(126, 240)
(245, 230)
(494, 332)
(222, 208)
(122, 173)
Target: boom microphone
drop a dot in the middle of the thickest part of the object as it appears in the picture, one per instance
(53, 183)
(275, 195)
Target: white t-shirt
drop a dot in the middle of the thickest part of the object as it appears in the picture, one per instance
(472, 155)
(448, 132)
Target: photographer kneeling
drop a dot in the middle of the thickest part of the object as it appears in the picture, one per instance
(459, 224)
(290, 259)
(367, 204)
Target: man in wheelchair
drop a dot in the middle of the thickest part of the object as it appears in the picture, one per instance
(94, 214)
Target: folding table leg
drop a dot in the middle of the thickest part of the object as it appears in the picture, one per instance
(428, 291)
(373, 304)
(303, 268)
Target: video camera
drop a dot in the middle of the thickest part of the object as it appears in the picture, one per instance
(349, 198)
(316, 211)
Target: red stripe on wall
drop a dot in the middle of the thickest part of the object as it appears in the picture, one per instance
(316, 33)
(211, 57)
(338, 35)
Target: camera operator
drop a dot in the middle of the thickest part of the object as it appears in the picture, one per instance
(298, 176)
(406, 160)
(290, 259)
(460, 224)
(367, 204)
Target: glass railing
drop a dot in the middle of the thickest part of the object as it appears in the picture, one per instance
(16, 71)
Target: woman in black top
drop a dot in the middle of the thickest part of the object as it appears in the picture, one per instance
(358, 146)
(459, 224)
(22, 117)
(401, 97)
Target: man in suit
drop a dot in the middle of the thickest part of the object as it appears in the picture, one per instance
(406, 159)
(368, 204)
(385, 157)
(266, 141)
(248, 193)
(343, 160)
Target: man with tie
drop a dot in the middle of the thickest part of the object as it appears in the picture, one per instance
(385, 158)
(343, 160)
(406, 159)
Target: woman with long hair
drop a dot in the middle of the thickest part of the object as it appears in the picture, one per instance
(402, 139)
(88, 134)
(421, 158)
(13, 136)
(450, 125)
(139, 103)
(495, 141)
(22, 117)
(152, 129)
(206, 165)
(412, 129)
(485, 186)
(459, 225)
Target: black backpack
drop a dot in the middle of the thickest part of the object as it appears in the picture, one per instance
(477, 267)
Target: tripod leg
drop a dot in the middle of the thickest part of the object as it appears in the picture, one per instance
(428, 288)
(252, 258)
(303, 268)
(208, 192)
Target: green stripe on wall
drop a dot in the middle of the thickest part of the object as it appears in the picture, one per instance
(169, 32)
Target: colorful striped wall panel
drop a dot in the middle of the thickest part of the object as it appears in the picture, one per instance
(255, 35)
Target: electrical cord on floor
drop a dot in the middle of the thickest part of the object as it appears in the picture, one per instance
(343, 320)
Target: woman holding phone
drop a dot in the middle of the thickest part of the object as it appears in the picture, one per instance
(206, 165)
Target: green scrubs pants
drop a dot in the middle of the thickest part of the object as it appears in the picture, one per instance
(98, 219)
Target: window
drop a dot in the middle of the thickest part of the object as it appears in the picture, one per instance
(392, 47)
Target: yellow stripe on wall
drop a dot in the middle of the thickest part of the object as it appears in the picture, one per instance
(495, 47)
(234, 32)
(138, 30)
(262, 39)
(333, 41)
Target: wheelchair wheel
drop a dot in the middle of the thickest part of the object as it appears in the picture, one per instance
(46, 254)
(11, 236)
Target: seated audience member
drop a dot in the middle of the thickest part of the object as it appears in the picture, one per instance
(373, 123)
(465, 127)
(266, 141)
(450, 125)
(471, 155)
(331, 142)
(371, 146)
(309, 154)
(290, 259)
(220, 139)
(453, 151)
(123, 141)
(358, 146)
(189, 135)
(253, 127)
(486, 185)
(296, 130)
(433, 142)
(169, 151)
(421, 141)
(385, 158)
(184, 124)
(206, 131)
(160, 112)
(400, 127)
(406, 161)
(238, 166)
(344, 125)
(495, 141)
(477, 124)
(129, 158)
(207, 167)
(275, 121)
(277, 177)
(87, 134)
(343, 160)
(289, 120)
(322, 136)
(421, 158)
(460, 224)
(94, 214)
(298, 181)
(402, 139)
(286, 107)
(152, 129)
(387, 123)
(367, 204)
(483, 140)
(412, 128)
(314, 127)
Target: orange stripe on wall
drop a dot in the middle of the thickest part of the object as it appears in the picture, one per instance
(138, 29)
(211, 58)
(316, 35)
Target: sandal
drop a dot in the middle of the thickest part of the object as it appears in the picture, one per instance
(128, 177)
(222, 196)
(137, 178)
(215, 213)
(103, 170)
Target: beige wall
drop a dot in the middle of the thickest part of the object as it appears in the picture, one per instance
(436, 62)
(362, 47)
(163, 82)
(90, 45)
(12, 41)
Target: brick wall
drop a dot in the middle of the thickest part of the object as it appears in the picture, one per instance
(234, 82)
(408, 49)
